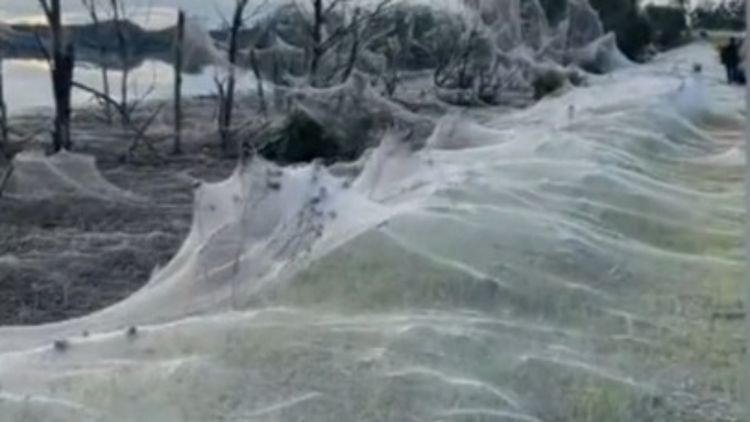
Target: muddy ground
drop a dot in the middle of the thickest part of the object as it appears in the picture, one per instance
(65, 257)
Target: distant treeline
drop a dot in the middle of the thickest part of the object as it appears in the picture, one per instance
(725, 15)
(642, 27)
(25, 41)
(97, 43)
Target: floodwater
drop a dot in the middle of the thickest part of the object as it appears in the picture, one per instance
(150, 13)
(28, 82)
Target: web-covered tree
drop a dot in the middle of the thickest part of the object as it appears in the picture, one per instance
(333, 24)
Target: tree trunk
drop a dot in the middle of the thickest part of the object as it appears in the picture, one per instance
(227, 108)
(124, 53)
(62, 81)
(177, 147)
(63, 62)
(227, 111)
(105, 87)
(352, 56)
(124, 89)
(90, 5)
(317, 40)
(259, 83)
(4, 141)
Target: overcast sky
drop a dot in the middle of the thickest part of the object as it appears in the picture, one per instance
(154, 12)
(150, 12)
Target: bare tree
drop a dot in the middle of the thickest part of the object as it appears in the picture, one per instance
(353, 48)
(124, 107)
(178, 59)
(118, 14)
(4, 140)
(316, 34)
(91, 6)
(227, 88)
(63, 62)
(124, 111)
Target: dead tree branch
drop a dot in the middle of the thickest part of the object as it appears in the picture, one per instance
(91, 7)
(139, 131)
(6, 178)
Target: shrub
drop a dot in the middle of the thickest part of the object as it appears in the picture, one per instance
(629, 23)
(555, 10)
(669, 25)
